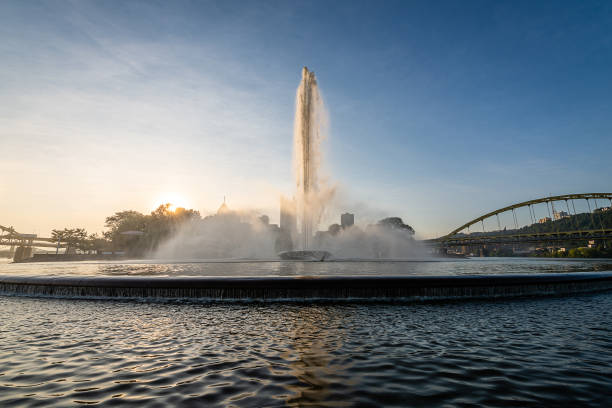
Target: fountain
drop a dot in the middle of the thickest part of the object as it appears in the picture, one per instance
(307, 136)
(225, 234)
(306, 150)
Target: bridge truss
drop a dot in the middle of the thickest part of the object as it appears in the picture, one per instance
(462, 235)
(12, 238)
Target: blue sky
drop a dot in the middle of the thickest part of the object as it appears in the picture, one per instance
(439, 112)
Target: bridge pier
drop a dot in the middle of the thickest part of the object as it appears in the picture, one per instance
(22, 252)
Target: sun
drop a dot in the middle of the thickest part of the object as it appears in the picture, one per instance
(175, 200)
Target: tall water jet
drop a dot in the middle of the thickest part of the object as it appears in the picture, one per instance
(307, 135)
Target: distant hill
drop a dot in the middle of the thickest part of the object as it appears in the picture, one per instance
(583, 221)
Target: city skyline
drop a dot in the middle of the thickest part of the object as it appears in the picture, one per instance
(108, 107)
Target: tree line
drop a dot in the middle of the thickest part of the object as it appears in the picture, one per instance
(129, 231)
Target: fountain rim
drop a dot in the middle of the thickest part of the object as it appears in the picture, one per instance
(306, 281)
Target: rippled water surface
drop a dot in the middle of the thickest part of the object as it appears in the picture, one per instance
(553, 351)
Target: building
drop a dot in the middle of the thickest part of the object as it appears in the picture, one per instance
(223, 209)
(287, 231)
(288, 220)
(560, 214)
(224, 214)
(347, 220)
(544, 220)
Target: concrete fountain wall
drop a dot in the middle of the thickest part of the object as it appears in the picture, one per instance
(302, 288)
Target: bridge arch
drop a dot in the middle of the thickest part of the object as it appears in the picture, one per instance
(566, 197)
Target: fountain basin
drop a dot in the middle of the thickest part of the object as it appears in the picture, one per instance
(308, 288)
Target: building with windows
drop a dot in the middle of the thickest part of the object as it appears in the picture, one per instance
(560, 214)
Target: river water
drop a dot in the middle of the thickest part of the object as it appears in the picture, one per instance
(475, 266)
(549, 351)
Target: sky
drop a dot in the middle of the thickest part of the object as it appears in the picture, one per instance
(439, 111)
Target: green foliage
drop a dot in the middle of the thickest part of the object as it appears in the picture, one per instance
(72, 237)
(584, 221)
(579, 222)
(334, 229)
(129, 231)
(124, 221)
(77, 238)
(95, 243)
(582, 252)
(156, 227)
(604, 250)
(396, 223)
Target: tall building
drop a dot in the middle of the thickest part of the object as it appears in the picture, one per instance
(347, 220)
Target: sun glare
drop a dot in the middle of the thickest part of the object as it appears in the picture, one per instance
(175, 201)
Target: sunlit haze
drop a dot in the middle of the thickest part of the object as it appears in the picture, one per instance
(437, 114)
(175, 200)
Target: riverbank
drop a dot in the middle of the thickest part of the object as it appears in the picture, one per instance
(118, 257)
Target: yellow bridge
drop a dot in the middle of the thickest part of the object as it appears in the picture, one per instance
(468, 233)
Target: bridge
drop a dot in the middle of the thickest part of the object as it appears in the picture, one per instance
(474, 233)
(21, 245)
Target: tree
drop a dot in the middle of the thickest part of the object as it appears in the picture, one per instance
(72, 237)
(159, 225)
(396, 223)
(94, 243)
(163, 222)
(124, 221)
(334, 229)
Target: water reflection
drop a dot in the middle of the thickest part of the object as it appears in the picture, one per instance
(524, 352)
(291, 269)
(294, 268)
(317, 341)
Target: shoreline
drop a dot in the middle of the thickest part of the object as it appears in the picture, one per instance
(118, 257)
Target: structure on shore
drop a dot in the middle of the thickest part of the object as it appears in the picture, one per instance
(21, 245)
